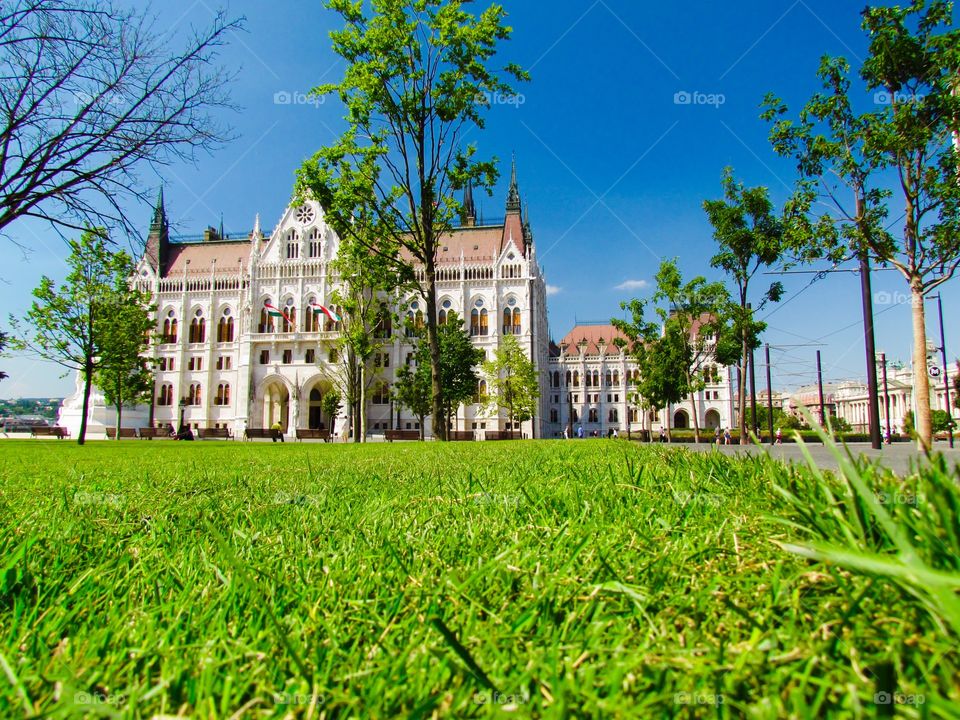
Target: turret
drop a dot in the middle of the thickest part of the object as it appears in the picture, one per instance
(469, 209)
(158, 239)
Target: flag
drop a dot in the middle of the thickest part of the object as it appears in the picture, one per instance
(317, 309)
(276, 312)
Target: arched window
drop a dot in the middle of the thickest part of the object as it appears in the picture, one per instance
(576, 378)
(314, 243)
(194, 395)
(614, 415)
(484, 322)
(516, 321)
(481, 394)
(198, 329)
(474, 322)
(616, 378)
(596, 378)
(442, 317)
(587, 378)
(556, 378)
(293, 245)
(384, 327)
(311, 318)
(507, 321)
(608, 379)
(330, 325)
(266, 319)
(225, 328)
(166, 395)
(223, 394)
(290, 322)
(568, 378)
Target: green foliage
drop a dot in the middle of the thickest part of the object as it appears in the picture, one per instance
(845, 158)
(3, 344)
(66, 324)
(418, 80)
(512, 382)
(416, 558)
(783, 420)
(940, 420)
(330, 404)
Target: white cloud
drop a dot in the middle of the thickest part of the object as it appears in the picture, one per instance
(632, 285)
(553, 290)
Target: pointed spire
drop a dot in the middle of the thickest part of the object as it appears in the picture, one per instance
(469, 209)
(221, 226)
(256, 227)
(513, 197)
(159, 214)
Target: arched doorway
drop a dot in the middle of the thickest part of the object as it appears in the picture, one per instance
(276, 405)
(316, 418)
(680, 420)
(712, 419)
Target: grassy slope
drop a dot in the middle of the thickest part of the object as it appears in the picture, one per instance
(551, 579)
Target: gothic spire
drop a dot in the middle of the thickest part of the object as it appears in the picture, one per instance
(159, 222)
(513, 198)
(469, 209)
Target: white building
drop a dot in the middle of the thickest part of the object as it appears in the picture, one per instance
(238, 367)
(589, 386)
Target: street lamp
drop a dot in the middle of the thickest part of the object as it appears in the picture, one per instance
(183, 407)
(946, 375)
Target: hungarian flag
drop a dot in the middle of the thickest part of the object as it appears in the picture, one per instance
(276, 312)
(317, 309)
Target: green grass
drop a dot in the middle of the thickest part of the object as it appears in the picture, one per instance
(553, 579)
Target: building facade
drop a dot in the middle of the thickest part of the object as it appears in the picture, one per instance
(589, 386)
(241, 345)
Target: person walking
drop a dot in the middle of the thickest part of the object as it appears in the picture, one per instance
(716, 435)
(779, 437)
(276, 432)
(663, 435)
(726, 437)
(580, 432)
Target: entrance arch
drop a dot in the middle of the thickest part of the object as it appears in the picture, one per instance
(712, 419)
(316, 418)
(681, 420)
(276, 405)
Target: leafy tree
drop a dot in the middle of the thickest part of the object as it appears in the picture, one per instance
(458, 360)
(512, 382)
(124, 329)
(696, 308)
(64, 324)
(750, 237)
(845, 158)
(330, 405)
(419, 76)
(89, 92)
(3, 343)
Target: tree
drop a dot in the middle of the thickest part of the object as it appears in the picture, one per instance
(459, 380)
(3, 344)
(750, 237)
(907, 138)
(90, 91)
(330, 404)
(124, 329)
(696, 309)
(418, 79)
(64, 324)
(512, 382)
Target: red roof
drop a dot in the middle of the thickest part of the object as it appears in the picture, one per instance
(592, 335)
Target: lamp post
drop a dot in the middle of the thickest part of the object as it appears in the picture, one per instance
(886, 391)
(183, 407)
(946, 375)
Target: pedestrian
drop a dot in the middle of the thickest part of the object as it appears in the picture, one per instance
(616, 434)
(779, 437)
(663, 435)
(566, 433)
(716, 435)
(726, 437)
(276, 432)
(580, 432)
(886, 436)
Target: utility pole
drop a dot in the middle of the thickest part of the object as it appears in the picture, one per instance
(753, 386)
(769, 396)
(946, 375)
(823, 415)
(886, 391)
(871, 349)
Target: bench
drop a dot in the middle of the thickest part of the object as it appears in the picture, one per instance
(391, 435)
(146, 433)
(258, 434)
(461, 436)
(503, 435)
(49, 431)
(311, 434)
(214, 434)
(124, 433)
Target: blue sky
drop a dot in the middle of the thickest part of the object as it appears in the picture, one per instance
(612, 167)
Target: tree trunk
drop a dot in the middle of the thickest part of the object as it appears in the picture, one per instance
(363, 402)
(921, 381)
(742, 392)
(87, 380)
(433, 339)
(693, 405)
(119, 407)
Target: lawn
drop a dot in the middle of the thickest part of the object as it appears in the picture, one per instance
(536, 579)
